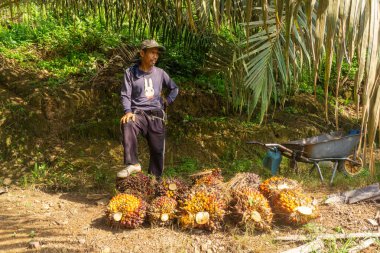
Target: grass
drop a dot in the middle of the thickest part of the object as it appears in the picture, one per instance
(64, 176)
(313, 228)
(339, 246)
(68, 178)
(60, 49)
(339, 230)
(71, 49)
(97, 175)
(45, 176)
(185, 167)
(340, 182)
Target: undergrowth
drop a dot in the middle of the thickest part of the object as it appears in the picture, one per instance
(69, 49)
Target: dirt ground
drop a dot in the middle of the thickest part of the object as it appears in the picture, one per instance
(75, 222)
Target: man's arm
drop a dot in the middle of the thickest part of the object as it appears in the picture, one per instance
(171, 86)
(126, 92)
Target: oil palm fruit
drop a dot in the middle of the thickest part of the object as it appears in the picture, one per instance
(274, 185)
(203, 208)
(126, 210)
(214, 178)
(294, 207)
(288, 202)
(251, 209)
(162, 211)
(138, 184)
(172, 187)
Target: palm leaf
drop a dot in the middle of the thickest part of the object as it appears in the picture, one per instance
(263, 51)
(343, 19)
(371, 104)
(319, 37)
(331, 25)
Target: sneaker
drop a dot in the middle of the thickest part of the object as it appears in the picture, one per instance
(130, 169)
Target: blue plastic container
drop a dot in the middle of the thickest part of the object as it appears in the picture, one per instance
(272, 160)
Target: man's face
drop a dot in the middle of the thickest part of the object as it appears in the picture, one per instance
(149, 56)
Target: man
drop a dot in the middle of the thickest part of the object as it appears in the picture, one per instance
(144, 109)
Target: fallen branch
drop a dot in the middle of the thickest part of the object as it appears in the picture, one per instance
(327, 236)
(313, 246)
(363, 245)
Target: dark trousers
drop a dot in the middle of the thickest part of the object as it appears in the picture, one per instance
(151, 125)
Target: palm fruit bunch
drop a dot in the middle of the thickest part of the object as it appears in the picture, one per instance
(138, 184)
(162, 211)
(294, 207)
(203, 208)
(288, 202)
(211, 178)
(172, 187)
(274, 185)
(243, 180)
(251, 209)
(126, 210)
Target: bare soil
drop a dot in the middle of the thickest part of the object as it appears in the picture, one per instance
(75, 222)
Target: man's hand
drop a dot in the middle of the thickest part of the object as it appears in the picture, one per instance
(127, 117)
(165, 103)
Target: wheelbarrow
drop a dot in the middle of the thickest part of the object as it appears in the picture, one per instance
(335, 147)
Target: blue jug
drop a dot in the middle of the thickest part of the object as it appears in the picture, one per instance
(272, 160)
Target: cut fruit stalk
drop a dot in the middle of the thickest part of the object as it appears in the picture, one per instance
(202, 218)
(117, 216)
(172, 187)
(305, 210)
(164, 217)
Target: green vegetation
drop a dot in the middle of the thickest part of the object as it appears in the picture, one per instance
(70, 46)
(185, 167)
(313, 228)
(80, 48)
(61, 49)
(44, 176)
(337, 246)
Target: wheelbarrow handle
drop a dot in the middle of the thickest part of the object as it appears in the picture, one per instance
(280, 147)
(267, 145)
(256, 142)
(271, 146)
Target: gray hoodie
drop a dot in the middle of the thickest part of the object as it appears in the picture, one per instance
(142, 90)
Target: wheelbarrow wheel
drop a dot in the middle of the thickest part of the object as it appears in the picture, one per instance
(350, 168)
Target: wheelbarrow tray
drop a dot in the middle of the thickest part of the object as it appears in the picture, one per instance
(325, 146)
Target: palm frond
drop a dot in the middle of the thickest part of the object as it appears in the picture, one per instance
(331, 27)
(341, 49)
(371, 87)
